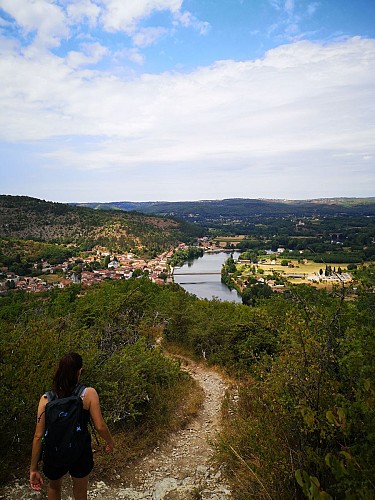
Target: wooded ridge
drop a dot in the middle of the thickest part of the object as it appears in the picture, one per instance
(30, 218)
(244, 207)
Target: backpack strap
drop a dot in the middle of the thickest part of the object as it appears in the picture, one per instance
(78, 390)
(51, 396)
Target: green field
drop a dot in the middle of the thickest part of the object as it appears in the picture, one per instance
(307, 269)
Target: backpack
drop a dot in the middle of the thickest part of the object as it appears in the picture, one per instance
(64, 436)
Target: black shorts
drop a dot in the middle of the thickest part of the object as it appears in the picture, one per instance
(80, 468)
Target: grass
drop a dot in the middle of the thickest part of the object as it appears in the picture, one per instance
(50, 279)
(299, 268)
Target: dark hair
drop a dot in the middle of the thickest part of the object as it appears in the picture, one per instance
(66, 376)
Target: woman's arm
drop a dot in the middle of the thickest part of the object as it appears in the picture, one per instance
(36, 480)
(97, 418)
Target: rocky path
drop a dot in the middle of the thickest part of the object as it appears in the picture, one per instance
(180, 469)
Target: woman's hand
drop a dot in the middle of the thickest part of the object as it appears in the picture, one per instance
(109, 447)
(36, 480)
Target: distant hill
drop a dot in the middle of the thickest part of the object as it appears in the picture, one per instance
(30, 218)
(200, 211)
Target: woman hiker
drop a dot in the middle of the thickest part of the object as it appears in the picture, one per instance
(64, 384)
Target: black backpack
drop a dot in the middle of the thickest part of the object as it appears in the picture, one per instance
(64, 436)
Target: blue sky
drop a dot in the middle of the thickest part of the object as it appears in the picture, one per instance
(109, 100)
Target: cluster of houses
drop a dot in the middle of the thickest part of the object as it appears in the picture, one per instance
(118, 267)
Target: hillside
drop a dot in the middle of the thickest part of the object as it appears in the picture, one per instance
(33, 219)
(300, 406)
(241, 207)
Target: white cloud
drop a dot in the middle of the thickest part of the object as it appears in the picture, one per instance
(187, 20)
(298, 90)
(291, 16)
(148, 36)
(133, 55)
(124, 15)
(47, 20)
(90, 53)
(80, 11)
(303, 106)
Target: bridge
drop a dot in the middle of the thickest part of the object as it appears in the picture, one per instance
(195, 274)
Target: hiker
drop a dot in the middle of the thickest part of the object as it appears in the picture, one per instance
(65, 384)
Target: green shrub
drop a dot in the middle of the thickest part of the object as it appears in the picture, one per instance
(113, 326)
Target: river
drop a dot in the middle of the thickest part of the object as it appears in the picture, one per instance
(202, 277)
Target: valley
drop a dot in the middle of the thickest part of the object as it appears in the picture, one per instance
(299, 349)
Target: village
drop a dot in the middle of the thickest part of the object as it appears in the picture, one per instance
(100, 264)
(87, 271)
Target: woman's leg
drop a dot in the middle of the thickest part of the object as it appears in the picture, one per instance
(80, 485)
(54, 489)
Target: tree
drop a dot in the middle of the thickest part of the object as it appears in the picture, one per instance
(253, 294)
(10, 285)
(137, 273)
(230, 265)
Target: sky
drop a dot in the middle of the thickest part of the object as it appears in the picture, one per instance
(174, 100)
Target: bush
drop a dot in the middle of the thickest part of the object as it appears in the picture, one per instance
(112, 325)
(307, 410)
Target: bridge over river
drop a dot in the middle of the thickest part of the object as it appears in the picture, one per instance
(202, 277)
(195, 274)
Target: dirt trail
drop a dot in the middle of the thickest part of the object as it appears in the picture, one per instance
(179, 469)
